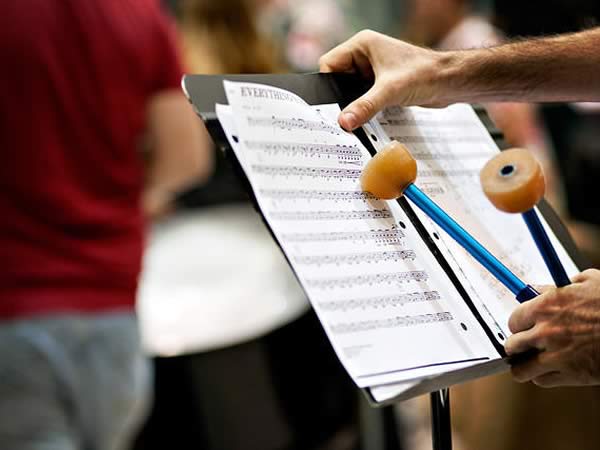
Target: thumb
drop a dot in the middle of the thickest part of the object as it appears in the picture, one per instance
(362, 109)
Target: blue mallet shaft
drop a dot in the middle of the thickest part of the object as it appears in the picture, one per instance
(521, 290)
(557, 270)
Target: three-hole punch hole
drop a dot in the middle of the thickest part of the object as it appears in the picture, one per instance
(402, 224)
(374, 137)
(235, 139)
(464, 327)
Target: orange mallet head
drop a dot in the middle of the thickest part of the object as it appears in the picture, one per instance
(513, 181)
(389, 172)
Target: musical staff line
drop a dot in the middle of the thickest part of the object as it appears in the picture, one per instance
(427, 155)
(380, 302)
(301, 194)
(409, 121)
(294, 124)
(381, 236)
(304, 171)
(355, 258)
(331, 215)
(442, 140)
(370, 279)
(447, 172)
(343, 152)
(392, 322)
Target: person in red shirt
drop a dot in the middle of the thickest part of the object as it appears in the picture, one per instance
(84, 85)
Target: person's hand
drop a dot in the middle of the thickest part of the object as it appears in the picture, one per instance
(403, 74)
(563, 325)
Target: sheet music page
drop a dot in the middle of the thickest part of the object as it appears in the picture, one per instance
(451, 145)
(389, 310)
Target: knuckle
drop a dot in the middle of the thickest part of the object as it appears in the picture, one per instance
(367, 107)
(367, 36)
(366, 33)
(518, 375)
(513, 322)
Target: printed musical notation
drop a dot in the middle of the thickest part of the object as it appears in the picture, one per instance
(381, 302)
(390, 236)
(355, 258)
(331, 215)
(411, 122)
(375, 278)
(430, 155)
(343, 152)
(392, 322)
(302, 171)
(297, 161)
(447, 172)
(304, 194)
(294, 124)
(441, 140)
(432, 189)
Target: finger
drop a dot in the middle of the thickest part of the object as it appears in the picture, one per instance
(538, 365)
(521, 342)
(363, 109)
(522, 318)
(582, 276)
(552, 379)
(541, 288)
(338, 59)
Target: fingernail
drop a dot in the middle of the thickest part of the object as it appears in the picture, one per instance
(350, 121)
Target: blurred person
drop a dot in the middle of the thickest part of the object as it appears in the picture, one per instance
(82, 82)
(236, 342)
(304, 29)
(222, 37)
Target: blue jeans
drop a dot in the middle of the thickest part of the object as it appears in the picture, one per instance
(72, 382)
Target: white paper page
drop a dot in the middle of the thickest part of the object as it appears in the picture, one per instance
(451, 145)
(384, 302)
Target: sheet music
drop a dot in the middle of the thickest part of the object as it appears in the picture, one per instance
(451, 145)
(390, 312)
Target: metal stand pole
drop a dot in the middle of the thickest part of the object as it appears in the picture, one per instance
(441, 428)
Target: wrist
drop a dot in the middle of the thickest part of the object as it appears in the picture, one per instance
(453, 77)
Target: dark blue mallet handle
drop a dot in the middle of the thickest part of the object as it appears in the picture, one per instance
(514, 182)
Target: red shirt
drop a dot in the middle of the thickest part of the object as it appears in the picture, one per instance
(75, 78)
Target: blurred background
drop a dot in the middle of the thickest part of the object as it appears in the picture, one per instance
(232, 340)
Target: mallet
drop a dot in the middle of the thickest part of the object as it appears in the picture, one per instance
(514, 182)
(392, 172)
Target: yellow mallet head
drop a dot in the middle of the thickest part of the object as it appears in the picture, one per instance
(389, 172)
(513, 181)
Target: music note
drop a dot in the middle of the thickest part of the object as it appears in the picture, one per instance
(341, 151)
(392, 322)
(420, 153)
(389, 236)
(355, 258)
(294, 124)
(370, 279)
(331, 215)
(307, 171)
(448, 172)
(379, 302)
(304, 194)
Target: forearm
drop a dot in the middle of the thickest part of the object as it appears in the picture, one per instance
(181, 151)
(562, 68)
